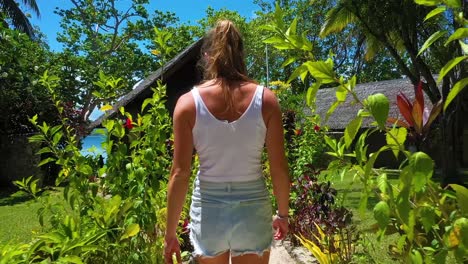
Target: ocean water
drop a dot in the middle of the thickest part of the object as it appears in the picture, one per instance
(91, 145)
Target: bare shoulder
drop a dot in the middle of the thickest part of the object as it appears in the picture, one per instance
(270, 106)
(270, 101)
(185, 107)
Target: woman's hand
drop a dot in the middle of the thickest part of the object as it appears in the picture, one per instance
(281, 225)
(171, 247)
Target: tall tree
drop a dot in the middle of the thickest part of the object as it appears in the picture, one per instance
(403, 28)
(103, 57)
(16, 17)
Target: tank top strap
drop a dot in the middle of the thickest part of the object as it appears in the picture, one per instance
(257, 104)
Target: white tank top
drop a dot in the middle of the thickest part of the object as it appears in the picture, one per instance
(229, 151)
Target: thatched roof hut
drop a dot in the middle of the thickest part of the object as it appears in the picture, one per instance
(347, 111)
(180, 74)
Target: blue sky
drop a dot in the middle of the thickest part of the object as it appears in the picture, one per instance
(186, 10)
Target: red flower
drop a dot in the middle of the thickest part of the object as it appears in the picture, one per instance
(316, 128)
(185, 227)
(298, 132)
(128, 123)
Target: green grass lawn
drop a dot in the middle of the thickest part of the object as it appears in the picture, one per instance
(350, 192)
(18, 216)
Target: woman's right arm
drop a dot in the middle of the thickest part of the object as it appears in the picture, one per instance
(277, 158)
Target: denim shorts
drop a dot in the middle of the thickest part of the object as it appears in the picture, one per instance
(234, 216)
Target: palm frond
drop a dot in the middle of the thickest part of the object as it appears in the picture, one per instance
(33, 5)
(337, 19)
(373, 46)
(18, 19)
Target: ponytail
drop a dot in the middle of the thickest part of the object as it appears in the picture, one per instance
(223, 58)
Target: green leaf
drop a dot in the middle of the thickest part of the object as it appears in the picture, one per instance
(36, 138)
(312, 92)
(452, 63)
(44, 150)
(456, 89)
(427, 2)
(299, 71)
(332, 109)
(428, 217)
(382, 183)
(462, 197)
(416, 257)
(382, 214)
(131, 231)
(433, 38)
(422, 167)
(341, 93)
(45, 161)
(351, 130)
(274, 40)
(400, 135)
(453, 3)
(379, 106)
(321, 70)
(460, 33)
(145, 103)
(464, 47)
(288, 61)
(435, 12)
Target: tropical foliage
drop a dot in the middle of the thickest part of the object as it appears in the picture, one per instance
(14, 16)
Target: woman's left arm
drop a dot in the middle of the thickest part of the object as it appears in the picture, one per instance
(183, 120)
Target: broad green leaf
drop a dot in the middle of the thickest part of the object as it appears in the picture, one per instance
(464, 47)
(331, 142)
(379, 107)
(45, 161)
(456, 89)
(351, 130)
(44, 150)
(332, 109)
(427, 2)
(460, 33)
(462, 197)
(382, 214)
(453, 3)
(431, 40)
(382, 183)
(341, 93)
(312, 92)
(297, 72)
(452, 63)
(416, 257)
(428, 217)
(321, 70)
(131, 231)
(288, 61)
(85, 169)
(422, 167)
(435, 12)
(396, 136)
(106, 107)
(274, 40)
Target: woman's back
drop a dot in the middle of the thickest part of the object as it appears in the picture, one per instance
(229, 144)
(213, 97)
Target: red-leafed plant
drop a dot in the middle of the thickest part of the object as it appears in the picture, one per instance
(418, 117)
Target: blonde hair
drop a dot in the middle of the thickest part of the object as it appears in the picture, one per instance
(223, 58)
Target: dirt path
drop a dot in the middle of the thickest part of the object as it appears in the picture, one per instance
(279, 255)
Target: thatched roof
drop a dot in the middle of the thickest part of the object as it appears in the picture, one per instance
(347, 111)
(143, 89)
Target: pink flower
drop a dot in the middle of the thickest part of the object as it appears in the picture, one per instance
(316, 128)
(128, 123)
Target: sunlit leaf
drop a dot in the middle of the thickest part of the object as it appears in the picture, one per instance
(433, 38)
(456, 89)
(460, 33)
(435, 12)
(449, 65)
(379, 107)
